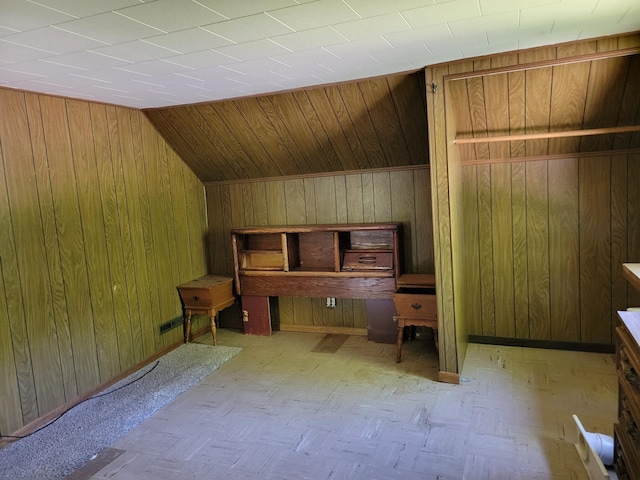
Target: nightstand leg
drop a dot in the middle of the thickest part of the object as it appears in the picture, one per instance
(213, 329)
(399, 343)
(187, 327)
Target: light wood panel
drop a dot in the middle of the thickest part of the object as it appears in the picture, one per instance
(590, 96)
(372, 123)
(394, 195)
(100, 221)
(559, 227)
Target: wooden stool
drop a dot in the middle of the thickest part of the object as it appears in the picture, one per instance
(206, 295)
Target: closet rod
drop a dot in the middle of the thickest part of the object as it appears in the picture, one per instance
(542, 135)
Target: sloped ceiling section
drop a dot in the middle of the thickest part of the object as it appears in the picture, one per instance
(374, 123)
(599, 95)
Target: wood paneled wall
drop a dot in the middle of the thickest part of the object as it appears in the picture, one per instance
(99, 221)
(532, 249)
(544, 243)
(401, 195)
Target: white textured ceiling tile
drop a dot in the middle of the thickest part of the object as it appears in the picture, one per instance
(153, 68)
(20, 15)
(85, 8)
(46, 69)
(315, 14)
(253, 67)
(172, 15)
(481, 50)
(199, 59)
(568, 35)
(135, 51)
(86, 60)
(14, 78)
(373, 26)
(73, 80)
(10, 53)
(252, 50)
(309, 39)
(358, 55)
(420, 36)
(497, 37)
(187, 41)
(490, 7)
(53, 40)
(43, 87)
(567, 12)
(249, 28)
(442, 13)
(7, 31)
(235, 9)
(109, 28)
(498, 24)
(372, 8)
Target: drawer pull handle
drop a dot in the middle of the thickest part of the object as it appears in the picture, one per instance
(196, 298)
(416, 306)
(632, 377)
(368, 260)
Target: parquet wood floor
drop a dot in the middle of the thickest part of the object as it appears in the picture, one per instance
(280, 410)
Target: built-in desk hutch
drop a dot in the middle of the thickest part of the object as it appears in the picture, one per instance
(336, 261)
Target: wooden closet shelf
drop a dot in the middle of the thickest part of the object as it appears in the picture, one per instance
(543, 135)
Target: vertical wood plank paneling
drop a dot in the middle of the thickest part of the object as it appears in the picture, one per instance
(14, 357)
(471, 250)
(520, 277)
(486, 250)
(633, 216)
(147, 184)
(77, 305)
(93, 229)
(619, 245)
(135, 225)
(50, 238)
(502, 239)
(403, 209)
(382, 197)
(537, 201)
(71, 243)
(595, 249)
(122, 286)
(423, 227)
(294, 201)
(564, 251)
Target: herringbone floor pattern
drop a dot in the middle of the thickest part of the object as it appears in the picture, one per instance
(291, 407)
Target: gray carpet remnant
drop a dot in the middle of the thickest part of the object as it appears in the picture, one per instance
(84, 431)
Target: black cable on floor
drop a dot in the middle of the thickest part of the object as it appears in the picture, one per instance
(15, 437)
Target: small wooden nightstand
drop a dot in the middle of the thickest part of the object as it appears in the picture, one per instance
(206, 295)
(415, 302)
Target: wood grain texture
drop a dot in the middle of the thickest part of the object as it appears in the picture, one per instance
(79, 302)
(595, 249)
(571, 217)
(572, 91)
(373, 123)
